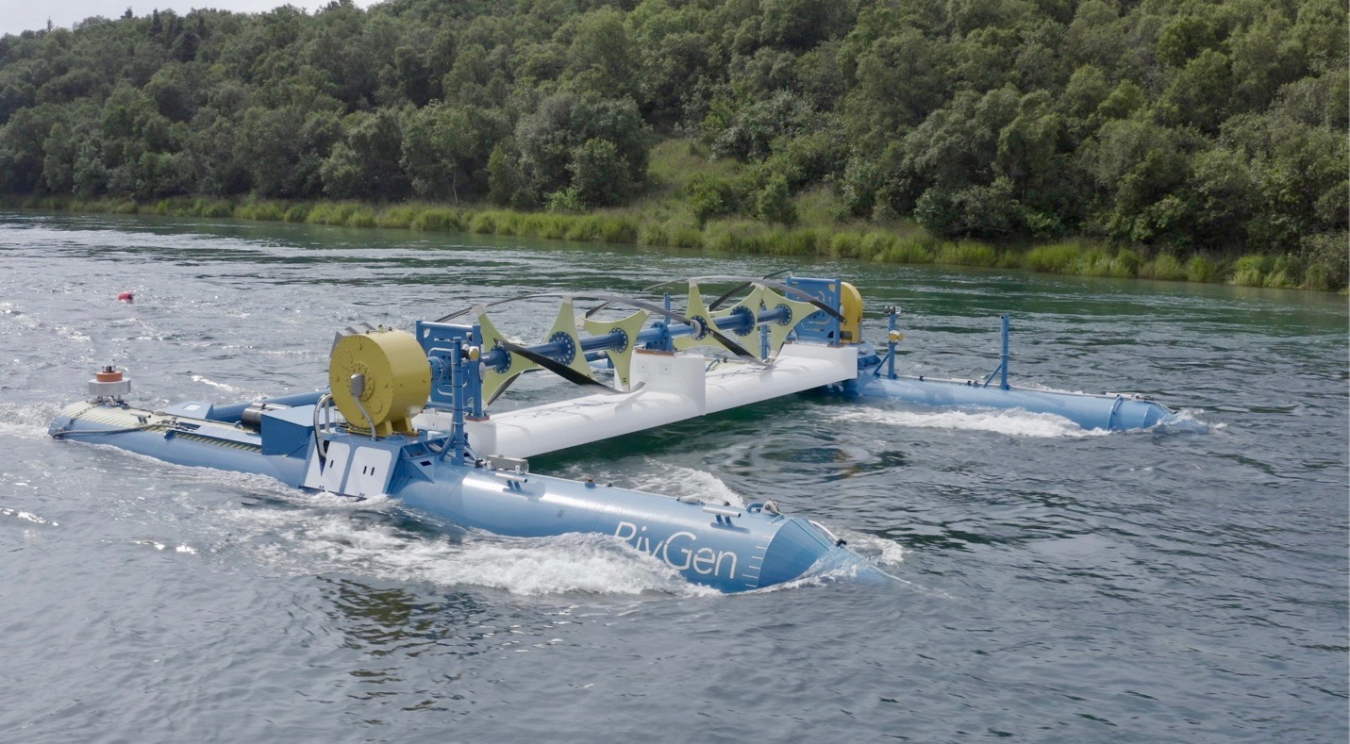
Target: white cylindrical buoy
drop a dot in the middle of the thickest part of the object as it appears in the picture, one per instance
(109, 382)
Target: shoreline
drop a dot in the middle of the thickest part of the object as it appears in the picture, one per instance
(880, 244)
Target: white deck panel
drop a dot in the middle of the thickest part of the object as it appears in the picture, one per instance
(676, 387)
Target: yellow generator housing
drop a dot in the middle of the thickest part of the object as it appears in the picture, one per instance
(380, 379)
(850, 331)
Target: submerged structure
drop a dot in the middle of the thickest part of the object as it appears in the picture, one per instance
(409, 415)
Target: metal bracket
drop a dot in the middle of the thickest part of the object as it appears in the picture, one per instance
(722, 513)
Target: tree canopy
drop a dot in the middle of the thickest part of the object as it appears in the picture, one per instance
(1186, 124)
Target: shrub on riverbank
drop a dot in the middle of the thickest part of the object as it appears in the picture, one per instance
(1328, 262)
(1164, 266)
(262, 211)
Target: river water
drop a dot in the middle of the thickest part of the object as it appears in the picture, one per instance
(1051, 584)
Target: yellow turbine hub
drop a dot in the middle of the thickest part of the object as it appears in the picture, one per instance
(393, 380)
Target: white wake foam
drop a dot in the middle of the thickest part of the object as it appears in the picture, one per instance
(157, 545)
(878, 550)
(1014, 422)
(679, 481)
(331, 532)
(27, 421)
(26, 516)
(570, 563)
(1187, 420)
(218, 385)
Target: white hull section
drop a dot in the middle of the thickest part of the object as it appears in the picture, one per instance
(674, 387)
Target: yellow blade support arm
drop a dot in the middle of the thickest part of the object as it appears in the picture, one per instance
(697, 310)
(621, 358)
(564, 332)
(797, 312)
(496, 380)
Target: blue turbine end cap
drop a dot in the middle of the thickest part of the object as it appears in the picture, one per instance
(794, 550)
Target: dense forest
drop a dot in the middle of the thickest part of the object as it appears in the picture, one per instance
(1170, 125)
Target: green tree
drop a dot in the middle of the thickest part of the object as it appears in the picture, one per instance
(750, 133)
(601, 55)
(1036, 161)
(446, 149)
(1227, 197)
(1265, 57)
(1124, 102)
(599, 176)
(21, 154)
(712, 196)
(548, 137)
(343, 174)
(775, 204)
(1201, 94)
(171, 91)
(366, 163)
(1184, 38)
(58, 165)
(1085, 92)
(89, 177)
(506, 183)
(801, 24)
(1141, 168)
(901, 80)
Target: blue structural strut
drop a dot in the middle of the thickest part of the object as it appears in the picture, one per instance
(1002, 368)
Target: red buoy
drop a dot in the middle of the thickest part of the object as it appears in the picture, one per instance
(126, 297)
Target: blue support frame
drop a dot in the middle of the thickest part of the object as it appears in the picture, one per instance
(1002, 368)
(456, 381)
(819, 327)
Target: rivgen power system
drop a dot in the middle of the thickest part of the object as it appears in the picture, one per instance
(409, 415)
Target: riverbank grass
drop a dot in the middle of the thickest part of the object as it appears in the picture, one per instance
(664, 220)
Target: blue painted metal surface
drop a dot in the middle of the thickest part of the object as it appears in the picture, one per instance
(819, 327)
(287, 431)
(231, 413)
(892, 329)
(1002, 368)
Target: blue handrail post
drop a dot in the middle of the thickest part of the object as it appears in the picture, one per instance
(459, 439)
(1003, 363)
(892, 336)
(1002, 368)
